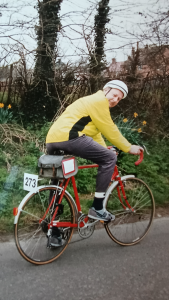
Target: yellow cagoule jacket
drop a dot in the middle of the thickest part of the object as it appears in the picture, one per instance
(90, 116)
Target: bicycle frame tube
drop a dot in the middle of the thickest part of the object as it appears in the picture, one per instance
(50, 204)
(60, 200)
(124, 195)
(115, 176)
(118, 181)
(118, 178)
(76, 194)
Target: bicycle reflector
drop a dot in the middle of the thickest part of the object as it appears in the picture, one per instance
(15, 211)
(68, 166)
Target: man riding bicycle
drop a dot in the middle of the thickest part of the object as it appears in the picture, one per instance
(79, 130)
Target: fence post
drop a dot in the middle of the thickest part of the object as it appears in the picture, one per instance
(10, 84)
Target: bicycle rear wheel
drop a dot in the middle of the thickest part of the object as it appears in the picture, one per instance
(130, 227)
(31, 235)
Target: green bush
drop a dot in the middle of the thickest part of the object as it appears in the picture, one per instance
(130, 129)
(86, 178)
(154, 170)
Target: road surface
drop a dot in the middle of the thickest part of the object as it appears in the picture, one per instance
(92, 269)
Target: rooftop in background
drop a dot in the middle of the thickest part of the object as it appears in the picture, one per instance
(151, 60)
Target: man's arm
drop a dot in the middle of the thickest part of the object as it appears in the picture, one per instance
(100, 116)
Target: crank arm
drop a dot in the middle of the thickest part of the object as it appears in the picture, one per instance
(90, 224)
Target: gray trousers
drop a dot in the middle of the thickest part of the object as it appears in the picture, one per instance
(87, 148)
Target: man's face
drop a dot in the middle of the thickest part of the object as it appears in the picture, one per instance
(113, 96)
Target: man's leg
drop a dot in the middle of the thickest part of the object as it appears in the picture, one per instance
(87, 148)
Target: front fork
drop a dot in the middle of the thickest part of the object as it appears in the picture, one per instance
(128, 207)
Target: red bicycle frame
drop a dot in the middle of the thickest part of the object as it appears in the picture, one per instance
(65, 183)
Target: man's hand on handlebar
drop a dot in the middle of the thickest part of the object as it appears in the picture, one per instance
(136, 150)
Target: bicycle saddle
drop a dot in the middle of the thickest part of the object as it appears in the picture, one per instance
(61, 152)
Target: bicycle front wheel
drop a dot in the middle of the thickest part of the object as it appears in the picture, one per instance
(31, 234)
(130, 225)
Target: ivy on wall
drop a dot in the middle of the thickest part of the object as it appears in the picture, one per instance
(97, 62)
(41, 100)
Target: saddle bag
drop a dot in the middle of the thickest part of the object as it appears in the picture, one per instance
(57, 166)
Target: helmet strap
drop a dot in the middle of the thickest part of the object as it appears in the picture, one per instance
(108, 92)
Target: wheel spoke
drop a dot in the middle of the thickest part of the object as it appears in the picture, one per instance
(31, 235)
(130, 225)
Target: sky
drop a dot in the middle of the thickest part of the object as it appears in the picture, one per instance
(124, 20)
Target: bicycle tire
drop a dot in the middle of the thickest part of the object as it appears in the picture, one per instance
(129, 228)
(30, 236)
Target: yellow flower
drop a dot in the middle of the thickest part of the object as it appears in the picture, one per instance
(139, 130)
(135, 115)
(1, 105)
(125, 120)
(144, 122)
(9, 106)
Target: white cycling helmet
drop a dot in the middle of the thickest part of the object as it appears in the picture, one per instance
(119, 85)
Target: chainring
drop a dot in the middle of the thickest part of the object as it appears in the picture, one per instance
(88, 228)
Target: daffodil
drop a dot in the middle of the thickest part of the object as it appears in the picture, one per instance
(135, 115)
(1, 105)
(125, 120)
(9, 106)
(139, 130)
(144, 122)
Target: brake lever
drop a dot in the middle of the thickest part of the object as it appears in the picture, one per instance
(146, 149)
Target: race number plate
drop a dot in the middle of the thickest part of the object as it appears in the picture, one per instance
(30, 182)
